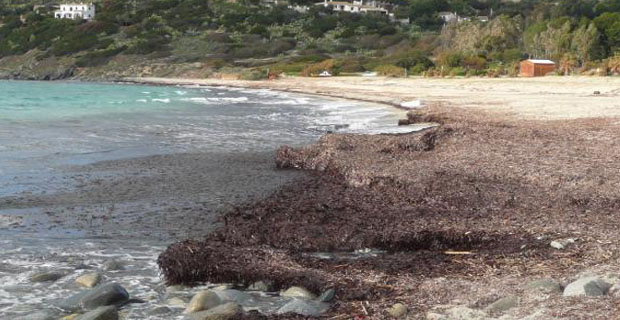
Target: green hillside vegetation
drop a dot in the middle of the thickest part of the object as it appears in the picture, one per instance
(254, 40)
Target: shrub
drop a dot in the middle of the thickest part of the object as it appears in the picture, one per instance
(316, 68)
(254, 75)
(390, 71)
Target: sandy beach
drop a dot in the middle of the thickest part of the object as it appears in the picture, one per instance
(506, 210)
(546, 98)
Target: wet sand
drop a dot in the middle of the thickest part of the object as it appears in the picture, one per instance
(164, 197)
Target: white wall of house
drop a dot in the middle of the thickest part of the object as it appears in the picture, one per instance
(76, 11)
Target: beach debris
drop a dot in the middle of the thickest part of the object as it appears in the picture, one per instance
(46, 276)
(398, 310)
(203, 300)
(503, 304)
(105, 295)
(590, 286)
(229, 310)
(101, 313)
(546, 284)
(303, 307)
(596, 92)
(298, 292)
(561, 244)
(89, 280)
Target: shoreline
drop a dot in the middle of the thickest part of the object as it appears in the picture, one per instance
(545, 98)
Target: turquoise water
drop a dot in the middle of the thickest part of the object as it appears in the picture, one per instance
(47, 125)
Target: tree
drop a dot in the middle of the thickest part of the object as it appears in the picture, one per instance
(568, 63)
(586, 43)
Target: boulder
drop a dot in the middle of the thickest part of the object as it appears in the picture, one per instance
(544, 284)
(298, 292)
(591, 286)
(158, 311)
(303, 307)
(105, 295)
(230, 310)
(203, 300)
(398, 310)
(88, 280)
(46, 276)
(503, 304)
(101, 313)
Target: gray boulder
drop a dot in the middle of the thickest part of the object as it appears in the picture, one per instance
(203, 300)
(591, 286)
(298, 292)
(226, 311)
(101, 313)
(303, 307)
(327, 296)
(106, 295)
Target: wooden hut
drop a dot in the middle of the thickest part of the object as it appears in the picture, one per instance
(536, 68)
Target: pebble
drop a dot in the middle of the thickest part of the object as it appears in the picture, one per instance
(89, 280)
(561, 244)
(225, 311)
(113, 265)
(46, 276)
(298, 292)
(398, 310)
(203, 300)
(590, 286)
(327, 296)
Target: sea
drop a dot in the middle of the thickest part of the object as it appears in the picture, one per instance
(46, 127)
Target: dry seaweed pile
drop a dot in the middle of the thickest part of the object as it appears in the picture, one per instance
(493, 189)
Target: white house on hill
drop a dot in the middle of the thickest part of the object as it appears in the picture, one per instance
(357, 6)
(76, 11)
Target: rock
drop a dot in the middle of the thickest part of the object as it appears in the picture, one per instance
(545, 284)
(561, 244)
(298, 292)
(327, 296)
(591, 286)
(614, 291)
(175, 301)
(260, 286)
(113, 265)
(403, 122)
(223, 287)
(70, 317)
(82, 266)
(229, 310)
(101, 313)
(398, 310)
(503, 304)
(105, 295)
(46, 276)
(303, 307)
(597, 92)
(175, 288)
(88, 280)
(203, 300)
(233, 295)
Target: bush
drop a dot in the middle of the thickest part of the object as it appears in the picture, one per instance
(390, 71)
(97, 58)
(316, 68)
(254, 75)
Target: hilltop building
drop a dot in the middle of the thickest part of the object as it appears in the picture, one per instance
(76, 11)
(357, 6)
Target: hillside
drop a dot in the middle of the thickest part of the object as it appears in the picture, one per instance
(252, 38)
